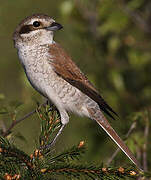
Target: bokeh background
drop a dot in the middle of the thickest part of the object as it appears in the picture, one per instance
(110, 40)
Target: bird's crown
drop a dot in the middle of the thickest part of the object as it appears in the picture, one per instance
(33, 26)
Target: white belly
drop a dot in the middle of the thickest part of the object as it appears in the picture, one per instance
(49, 84)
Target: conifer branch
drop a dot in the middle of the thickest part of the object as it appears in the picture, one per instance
(15, 122)
(45, 164)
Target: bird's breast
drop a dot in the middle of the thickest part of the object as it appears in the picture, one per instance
(42, 77)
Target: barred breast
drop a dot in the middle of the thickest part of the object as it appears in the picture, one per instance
(43, 78)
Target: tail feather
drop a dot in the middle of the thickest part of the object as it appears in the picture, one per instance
(102, 121)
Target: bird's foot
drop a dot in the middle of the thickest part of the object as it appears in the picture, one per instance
(48, 146)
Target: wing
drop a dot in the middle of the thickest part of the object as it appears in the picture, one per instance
(67, 69)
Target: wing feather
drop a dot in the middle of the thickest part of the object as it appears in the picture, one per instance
(67, 69)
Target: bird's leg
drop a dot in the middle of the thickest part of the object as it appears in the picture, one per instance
(59, 132)
(64, 121)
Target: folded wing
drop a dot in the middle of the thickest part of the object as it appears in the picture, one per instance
(68, 70)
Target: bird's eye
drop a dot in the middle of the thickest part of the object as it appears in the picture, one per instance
(36, 24)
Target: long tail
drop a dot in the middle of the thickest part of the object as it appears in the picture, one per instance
(102, 121)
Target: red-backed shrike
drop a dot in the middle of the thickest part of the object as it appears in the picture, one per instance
(54, 75)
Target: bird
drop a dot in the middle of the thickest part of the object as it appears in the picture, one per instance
(53, 73)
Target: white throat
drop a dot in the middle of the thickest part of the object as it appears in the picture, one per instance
(35, 38)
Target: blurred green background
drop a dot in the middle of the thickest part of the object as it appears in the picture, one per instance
(110, 40)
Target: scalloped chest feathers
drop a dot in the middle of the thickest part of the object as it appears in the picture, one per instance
(42, 77)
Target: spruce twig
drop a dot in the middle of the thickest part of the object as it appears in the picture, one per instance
(15, 122)
(45, 164)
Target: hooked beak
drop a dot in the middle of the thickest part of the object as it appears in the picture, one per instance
(54, 27)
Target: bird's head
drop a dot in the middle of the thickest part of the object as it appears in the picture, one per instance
(36, 29)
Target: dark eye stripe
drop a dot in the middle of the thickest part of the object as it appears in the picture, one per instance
(25, 29)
